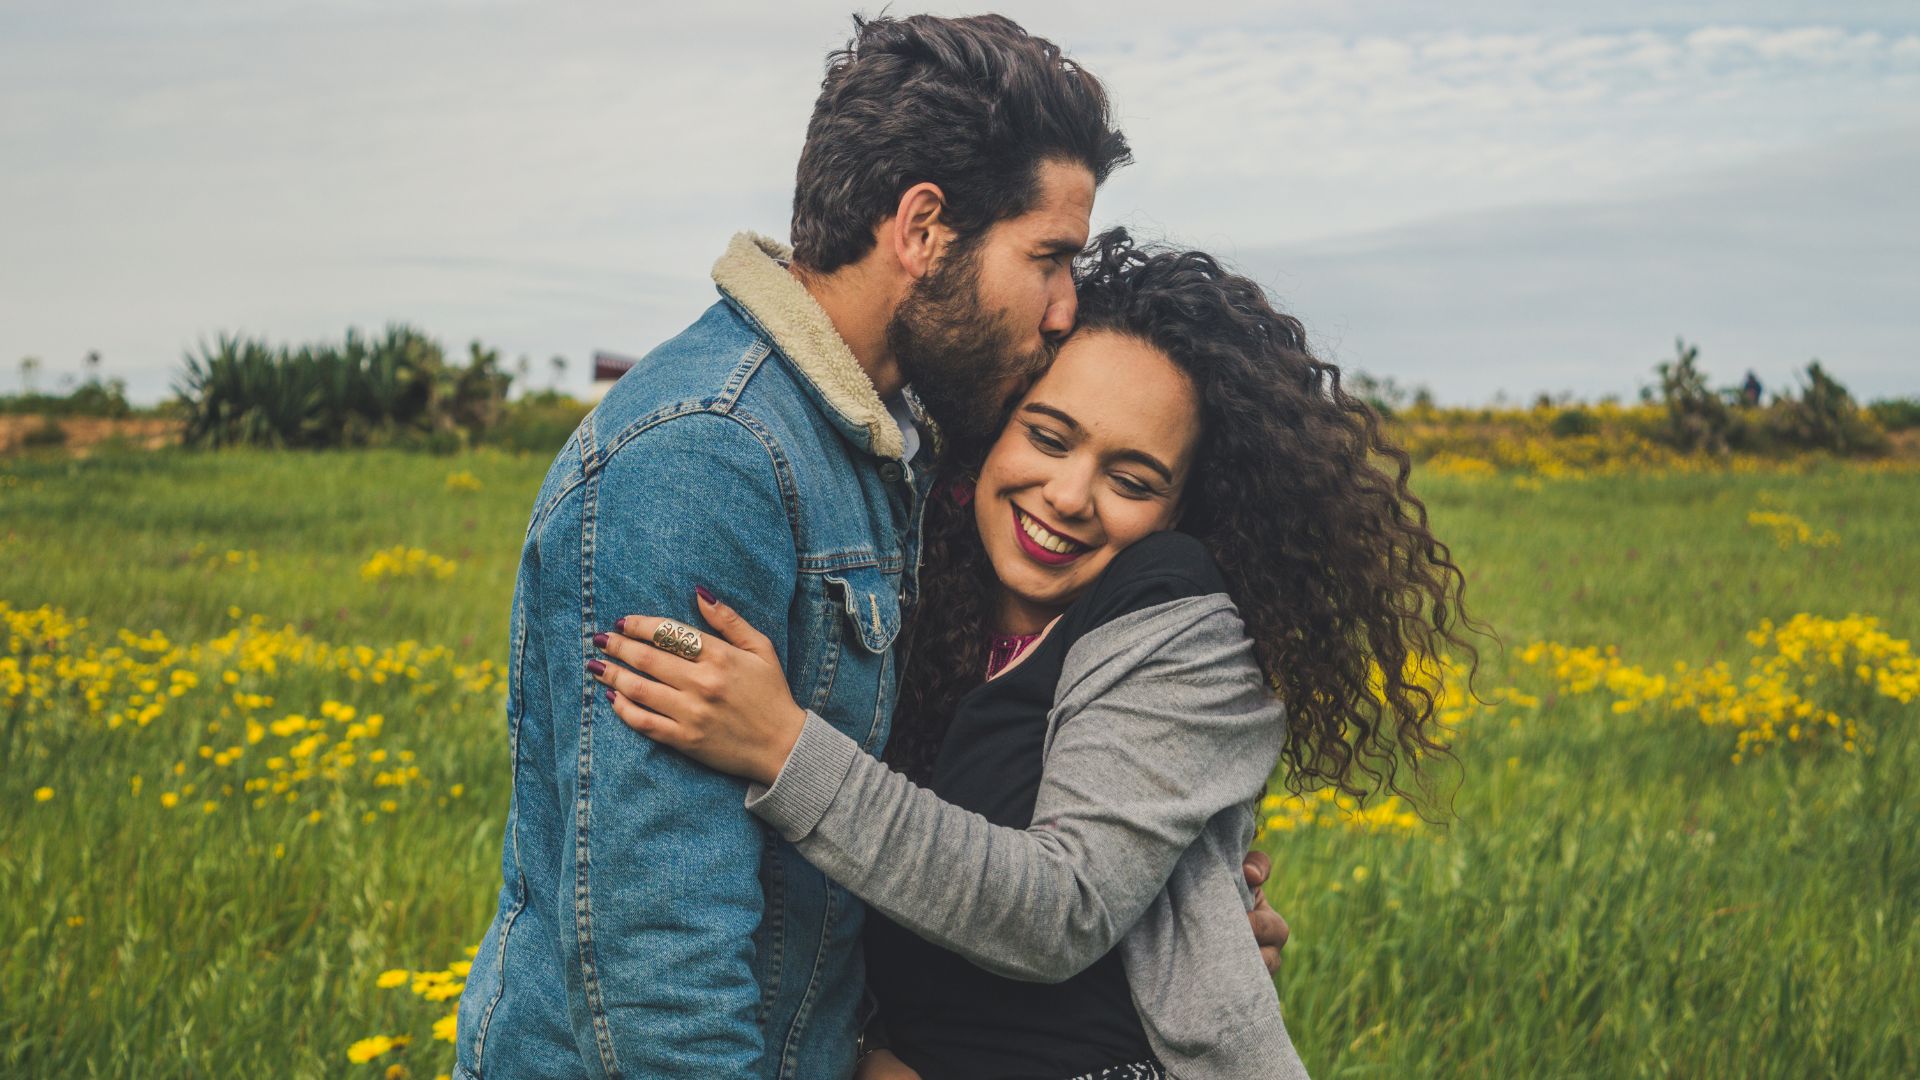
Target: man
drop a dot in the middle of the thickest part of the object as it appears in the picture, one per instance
(771, 455)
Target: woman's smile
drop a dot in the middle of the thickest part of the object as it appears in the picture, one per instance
(1042, 544)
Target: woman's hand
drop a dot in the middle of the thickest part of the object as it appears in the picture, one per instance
(729, 708)
(882, 1065)
(1270, 931)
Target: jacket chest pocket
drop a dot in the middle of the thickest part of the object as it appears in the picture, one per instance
(860, 621)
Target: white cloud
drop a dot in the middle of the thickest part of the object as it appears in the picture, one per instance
(558, 177)
(1367, 131)
(1586, 295)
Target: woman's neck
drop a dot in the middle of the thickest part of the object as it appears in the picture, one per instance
(1016, 615)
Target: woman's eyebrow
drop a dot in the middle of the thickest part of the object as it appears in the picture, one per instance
(1148, 460)
(1140, 456)
(1048, 410)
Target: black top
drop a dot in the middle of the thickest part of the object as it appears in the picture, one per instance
(945, 1017)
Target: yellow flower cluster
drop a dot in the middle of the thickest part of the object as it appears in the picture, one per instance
(232, 559)
(1604, 439)
(1446, 463)
(404, 561)
(462, 481)
(366, 1050)
(1789, 529)
(52, 674)
(1330, 809)
(1591, 668)
(436, 987)
(1808, 682)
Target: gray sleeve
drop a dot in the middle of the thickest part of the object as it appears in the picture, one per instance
(1129, 782)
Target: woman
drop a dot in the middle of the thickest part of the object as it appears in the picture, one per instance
(1089, 717)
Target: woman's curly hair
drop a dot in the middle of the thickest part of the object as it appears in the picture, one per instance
(1297, 493)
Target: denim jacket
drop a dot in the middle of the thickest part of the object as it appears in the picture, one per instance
(648, 926)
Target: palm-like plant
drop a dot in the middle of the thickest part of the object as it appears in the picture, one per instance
(244, 392)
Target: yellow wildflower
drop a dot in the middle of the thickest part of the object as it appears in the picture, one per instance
(366, 1050)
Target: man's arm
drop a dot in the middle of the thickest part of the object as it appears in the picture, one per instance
(664, 892)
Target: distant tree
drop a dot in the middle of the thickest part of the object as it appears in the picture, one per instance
(559, 365)
(471, 397)
(1386, 395)
(1823, 416)
(1896, 414)
(29, 370)
(1697, 417)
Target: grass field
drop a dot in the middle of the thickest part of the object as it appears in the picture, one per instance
(212, 850)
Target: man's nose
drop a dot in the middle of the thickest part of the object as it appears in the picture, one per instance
(1057, 323)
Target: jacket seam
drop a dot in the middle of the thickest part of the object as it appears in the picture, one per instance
(774, 894)
(583, 786)
(850, 559)
(803, 1012)
(737, 380)
(723, 403)
(782, 471)
(518, 654)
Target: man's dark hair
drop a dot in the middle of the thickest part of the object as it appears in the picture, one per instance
(974, 105)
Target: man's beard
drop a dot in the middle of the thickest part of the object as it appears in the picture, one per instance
(959, 357)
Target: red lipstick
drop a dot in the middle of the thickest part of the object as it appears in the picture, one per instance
(1039, 554)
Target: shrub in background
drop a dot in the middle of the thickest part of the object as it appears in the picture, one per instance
(1823, 417)
(1573, 422)
(394, 390)
(95, 397)
(1896, 414)
(537, 423)
(1698, 418)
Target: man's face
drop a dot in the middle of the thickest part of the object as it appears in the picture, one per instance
(986, 319)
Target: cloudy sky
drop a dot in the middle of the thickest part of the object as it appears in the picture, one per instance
(1485, 198)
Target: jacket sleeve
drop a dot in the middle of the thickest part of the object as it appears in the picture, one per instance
(1129, 783)
(665, 890)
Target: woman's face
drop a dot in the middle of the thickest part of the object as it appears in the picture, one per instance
(1094, 458)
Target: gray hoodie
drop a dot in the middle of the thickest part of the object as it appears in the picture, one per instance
(1159, 744)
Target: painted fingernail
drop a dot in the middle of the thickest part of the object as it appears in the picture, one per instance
(610, 697)
(704, 594)
(597, 668)
(600, 640)
(620, 626)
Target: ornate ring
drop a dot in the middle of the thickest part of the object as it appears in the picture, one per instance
(682, 641)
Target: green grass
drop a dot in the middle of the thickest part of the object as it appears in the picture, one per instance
(1614, 897)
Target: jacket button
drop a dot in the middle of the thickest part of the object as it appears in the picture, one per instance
(891, 472)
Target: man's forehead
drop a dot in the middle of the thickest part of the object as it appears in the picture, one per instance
(1063, 206)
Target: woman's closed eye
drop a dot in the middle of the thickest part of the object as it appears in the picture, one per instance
(1046, 440)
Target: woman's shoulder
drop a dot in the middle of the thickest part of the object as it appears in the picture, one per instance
(1162, 567)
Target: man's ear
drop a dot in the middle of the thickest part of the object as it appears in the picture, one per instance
(918, 232)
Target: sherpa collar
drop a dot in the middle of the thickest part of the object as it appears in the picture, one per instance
(751, 272)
